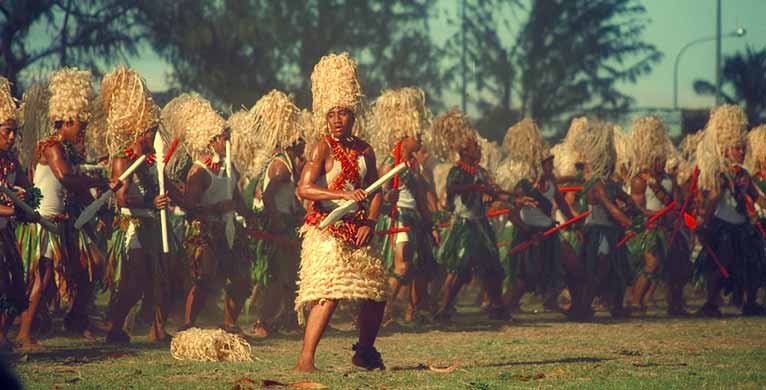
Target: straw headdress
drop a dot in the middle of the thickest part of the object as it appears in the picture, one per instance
(35, 125)
(524, 143)
(398, 114)
(194, 121)
(129, 108)
(755, 160)
(334, 83)
(248, 154)
(275, 121)
(491, 154)
(566, 157)
(649, 141)
(70, 94)
(596, 143)
(725, 129)
(577, 125)
(450, 131)
(8, 109)
(510, 172)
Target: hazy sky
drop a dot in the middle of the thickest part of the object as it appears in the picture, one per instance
(673, 23)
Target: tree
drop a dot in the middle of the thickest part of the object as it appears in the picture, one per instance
(744, 74)
(86, 33)
(488, 66)
(573, 53)
(235, 51)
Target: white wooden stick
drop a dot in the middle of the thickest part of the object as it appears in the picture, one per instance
(90, 211)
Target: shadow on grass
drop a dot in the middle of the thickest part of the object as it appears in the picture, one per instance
(570, 360)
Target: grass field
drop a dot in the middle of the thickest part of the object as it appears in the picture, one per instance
(533, 350)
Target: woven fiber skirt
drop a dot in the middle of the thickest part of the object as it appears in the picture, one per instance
(332, 270)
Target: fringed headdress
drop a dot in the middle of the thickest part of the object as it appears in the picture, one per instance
(491, 154)
(129, 107)
(450, 131)
(725, 129)
(578, 125)
(596, 143)
(8, 108)
(524, 143)
(510, 172)
(194, 121)
(35, 124)
(334, 83)
(398, 114)
(649, 141)
(70, 95)
(566, 159)
(755, 160)
(275, 121)
(248, 154)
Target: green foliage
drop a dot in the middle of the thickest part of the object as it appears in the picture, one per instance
(236, 51)
(572, 54)
(744, 74)
(84, 33)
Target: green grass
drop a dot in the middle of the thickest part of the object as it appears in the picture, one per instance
(533, 350)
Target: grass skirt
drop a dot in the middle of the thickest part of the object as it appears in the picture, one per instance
(620, 274)
(539, 266)
(740, 249)
(423, 260)
(332, 270)
(467, 240)
(118, 261)
(12, 285)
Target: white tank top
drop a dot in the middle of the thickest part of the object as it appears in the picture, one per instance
(284, 196)
(219, 189)
(334, 172)
(533, 216)
(52, 190)
(726, 209)
(406, 198)
(652, 202)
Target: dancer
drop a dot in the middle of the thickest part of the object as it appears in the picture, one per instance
(213, 247)
(12, 293)
(402, 117)
(136, 266)
(469, 247)
(67, 256)
(652, 190)
(733, 258)
(540, 268)
(606, 265)
(276, 126)
(337, 263)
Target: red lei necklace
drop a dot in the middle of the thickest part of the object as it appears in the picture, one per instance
(132, 156)
(213, 166)
(470, 169)
(347, 228)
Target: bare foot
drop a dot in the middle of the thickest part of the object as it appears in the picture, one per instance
(259, 331)
(29, 344)
(305, 368)
(88, 334)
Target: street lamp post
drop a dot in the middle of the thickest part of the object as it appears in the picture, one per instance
(739, 32)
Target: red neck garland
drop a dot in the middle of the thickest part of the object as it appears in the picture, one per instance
(470, 169)
(345, 229)
(132, 156)
(349, 165)
(213, 166)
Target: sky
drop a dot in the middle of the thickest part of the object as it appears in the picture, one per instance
(672, 24)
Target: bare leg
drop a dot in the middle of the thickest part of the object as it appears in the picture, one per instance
(642, 284)
(402, 256)
(368, 320)
(316, 324)
(41, 282)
